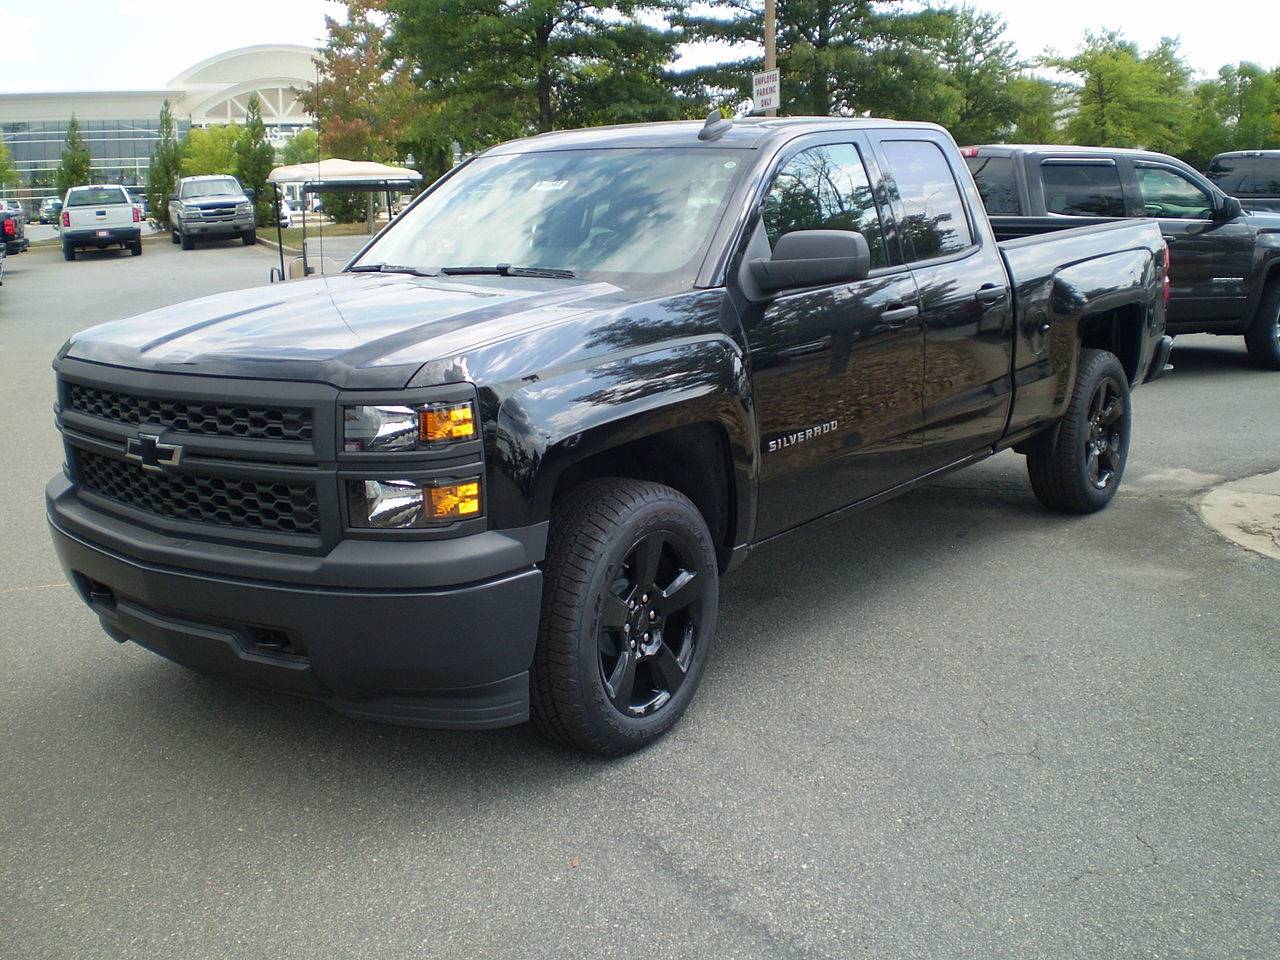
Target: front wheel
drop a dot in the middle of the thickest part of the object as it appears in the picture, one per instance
(135, 248)
(628, 615)
(1076, 468)
(1263, 337)
(187, 242)
(250, 238)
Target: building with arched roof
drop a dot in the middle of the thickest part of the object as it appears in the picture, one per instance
(120, 128)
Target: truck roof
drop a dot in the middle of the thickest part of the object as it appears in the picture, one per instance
(748, 133)
(211, 176)
(1062, 150)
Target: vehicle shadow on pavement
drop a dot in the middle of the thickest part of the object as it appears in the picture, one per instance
(830, 575)
(1199, 359)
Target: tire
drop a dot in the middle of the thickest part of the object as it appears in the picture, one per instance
(250, 238)
(1077, 467)
(173, 236)
(604, 613)
(135, 248)
(68, 251)
(1263, 336)
(187, 242)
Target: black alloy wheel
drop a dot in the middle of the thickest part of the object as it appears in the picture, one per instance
(1107, 441)
(630, 591)
(1263, 336)
(1077, 465)
(648, 627)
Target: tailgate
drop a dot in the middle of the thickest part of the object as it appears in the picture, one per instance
(100, 217)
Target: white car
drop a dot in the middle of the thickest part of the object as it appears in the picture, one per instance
(101, 216)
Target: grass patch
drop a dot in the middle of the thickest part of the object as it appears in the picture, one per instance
(293, 235)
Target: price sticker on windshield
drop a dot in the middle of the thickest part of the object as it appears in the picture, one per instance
(543, 185)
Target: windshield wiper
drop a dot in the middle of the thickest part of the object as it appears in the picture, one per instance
(507, 270)
(389, 268)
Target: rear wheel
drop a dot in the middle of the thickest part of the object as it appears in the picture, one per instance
(628, 615)
(1263, 337)
(68, 251)
(250, 238)
(1077, 467)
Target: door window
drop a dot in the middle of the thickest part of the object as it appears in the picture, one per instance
(934, 222)
(1082, 189)
(996, 186)
(825, 188)
(1232, 174)
(1167, 193)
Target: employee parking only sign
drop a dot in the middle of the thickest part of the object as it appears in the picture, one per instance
(766, 90)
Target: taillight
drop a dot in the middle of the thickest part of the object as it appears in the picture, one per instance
(9, 228)
(137, 215)
(1168, 283)
(66, 219)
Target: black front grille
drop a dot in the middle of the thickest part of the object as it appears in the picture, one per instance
(193, 416)
(284, 507)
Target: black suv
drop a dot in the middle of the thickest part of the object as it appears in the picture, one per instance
(1251, 176)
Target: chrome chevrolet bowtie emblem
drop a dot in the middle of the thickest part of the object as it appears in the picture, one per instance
(147, 450)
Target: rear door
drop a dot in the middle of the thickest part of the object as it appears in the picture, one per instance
(1210, 259)
(964, 295)
(836, 370)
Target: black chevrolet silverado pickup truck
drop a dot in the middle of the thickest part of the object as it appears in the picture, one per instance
(496, 468)
(1225, 259)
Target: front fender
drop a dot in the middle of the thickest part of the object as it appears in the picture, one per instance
(548, 425)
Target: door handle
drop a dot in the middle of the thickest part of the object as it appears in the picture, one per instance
(990, 295)
(899, 316)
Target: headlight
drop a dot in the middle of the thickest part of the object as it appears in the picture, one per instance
(411, 504)
(378, 429)
(244, 208)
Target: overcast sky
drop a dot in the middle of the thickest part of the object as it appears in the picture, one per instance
(142, 44)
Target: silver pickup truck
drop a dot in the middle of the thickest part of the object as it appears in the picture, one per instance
(210, 208)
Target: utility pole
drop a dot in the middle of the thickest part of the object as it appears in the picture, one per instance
(770, 41)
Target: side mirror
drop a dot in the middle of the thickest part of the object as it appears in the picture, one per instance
(1230, 209)
(811, 258)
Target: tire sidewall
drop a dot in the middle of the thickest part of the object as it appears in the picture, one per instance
(681, 522)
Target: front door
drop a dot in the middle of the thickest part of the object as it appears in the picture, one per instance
(836, 371)
(1209, 259)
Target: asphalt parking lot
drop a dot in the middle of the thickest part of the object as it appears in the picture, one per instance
(956, 726)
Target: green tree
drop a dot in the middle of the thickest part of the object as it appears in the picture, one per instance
(1036, 103)
(1124, 99)
(494, 69)
(75, 169)
(841, 57)
(303, 147)
(166, 167)
(980, 64)
(209, 150)
(254, 159)
(8, 171)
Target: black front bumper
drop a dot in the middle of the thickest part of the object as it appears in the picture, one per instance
(455, 655)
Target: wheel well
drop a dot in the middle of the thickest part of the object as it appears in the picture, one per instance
(1118, 331)
(692, 459)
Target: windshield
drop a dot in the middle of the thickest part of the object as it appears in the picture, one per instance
(210, 188)
(639, 218)
(96, 197)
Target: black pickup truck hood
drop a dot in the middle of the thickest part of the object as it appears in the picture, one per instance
(351, 330)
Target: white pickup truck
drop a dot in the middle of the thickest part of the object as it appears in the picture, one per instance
(100, 216)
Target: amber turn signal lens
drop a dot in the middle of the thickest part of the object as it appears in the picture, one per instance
(454, 500)
(444, 422)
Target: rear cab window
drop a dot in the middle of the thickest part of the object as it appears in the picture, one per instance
(1266, 177)
(934, 222)
(825, 188)
(996, 184)
(96, 196)
(1082, 188)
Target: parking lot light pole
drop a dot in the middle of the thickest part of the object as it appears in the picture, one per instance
(770, 41)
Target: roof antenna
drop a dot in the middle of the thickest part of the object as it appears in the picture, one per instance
(715, 127)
